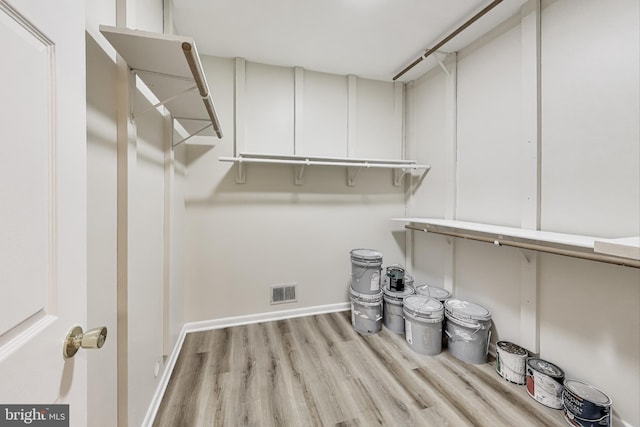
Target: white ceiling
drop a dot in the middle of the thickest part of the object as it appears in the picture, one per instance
(369, 38)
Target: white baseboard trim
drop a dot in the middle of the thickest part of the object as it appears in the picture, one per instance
(270, 316)
(226, 322)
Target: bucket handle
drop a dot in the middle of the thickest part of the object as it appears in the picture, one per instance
(359, 275)
(457, 338)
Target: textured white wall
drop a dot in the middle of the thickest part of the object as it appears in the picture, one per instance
(589, 313)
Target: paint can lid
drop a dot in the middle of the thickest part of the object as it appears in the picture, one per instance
(366, 254)
(587, 392)
(408, 290)
(466, 310)
(422, 306)
(511, 348)
(441, 294)
(545, 367)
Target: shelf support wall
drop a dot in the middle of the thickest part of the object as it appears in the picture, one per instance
(530, 154)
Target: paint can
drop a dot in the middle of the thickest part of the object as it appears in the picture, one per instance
(511, 360)
(395, 277)
(468, 330)
(423, 324)
(366, 312)
(393, 316)
(585, 405)
(544, 382)
(441, 294)
(366, 265)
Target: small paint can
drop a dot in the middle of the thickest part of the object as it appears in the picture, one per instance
(511, 360)
(585, 405)
(544, 382)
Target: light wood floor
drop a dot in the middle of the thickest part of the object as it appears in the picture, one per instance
(317, 371)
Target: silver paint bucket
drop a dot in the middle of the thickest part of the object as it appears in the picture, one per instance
(468, 330)
(511, 361)
(393, 316)
(366, 312)
(441, 294)
(366, 265)
(423, 324)
(585, 405)
(544, 382)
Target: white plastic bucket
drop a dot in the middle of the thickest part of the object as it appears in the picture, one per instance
(393, 317)
(423, 324)
(468, 330)
(366, 312)
(366, 265)
(441, 294)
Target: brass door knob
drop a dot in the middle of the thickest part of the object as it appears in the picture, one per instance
(76, 339)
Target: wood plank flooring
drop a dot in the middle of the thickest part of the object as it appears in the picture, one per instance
(317, 371)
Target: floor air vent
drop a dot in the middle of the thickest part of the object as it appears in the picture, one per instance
(283, 293)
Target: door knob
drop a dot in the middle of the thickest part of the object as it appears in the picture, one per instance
(76, 339)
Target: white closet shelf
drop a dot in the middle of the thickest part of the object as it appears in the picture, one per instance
(353, 165)
(170, 67)
(625, 251)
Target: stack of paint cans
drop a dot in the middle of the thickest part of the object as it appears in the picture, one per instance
(544, 382)
(365, 292)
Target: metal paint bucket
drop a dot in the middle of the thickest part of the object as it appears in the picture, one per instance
(366, 312)
(423, 324)
(366, 265)
(468, 330)
(393, 316)
(585, 405)
(395, 276)
(511, 360)
(544, 382)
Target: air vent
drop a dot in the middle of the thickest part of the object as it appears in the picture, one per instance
(283, 293)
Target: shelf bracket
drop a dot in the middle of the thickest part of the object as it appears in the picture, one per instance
(441, 63)
(194, 133)
(398, 174)
(161, 102)
(241, 177)
(352, 173)
(299, 174)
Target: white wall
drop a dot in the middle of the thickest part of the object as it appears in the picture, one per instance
(101, 214)
(244, 238)
(588, 312)
(147, 307)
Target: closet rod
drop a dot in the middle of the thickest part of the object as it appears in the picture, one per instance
(449, 37)
(556, 251)
(192, 60)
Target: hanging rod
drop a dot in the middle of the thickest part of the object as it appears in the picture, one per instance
(449, 37)
(192, 60)
(305, 162)
(539, 248)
